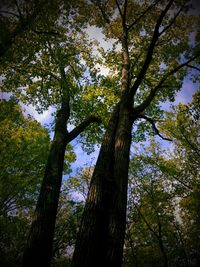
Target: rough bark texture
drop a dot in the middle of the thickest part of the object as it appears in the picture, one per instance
(117, 219)
(101, 236)
(90, 245)
(39, 247)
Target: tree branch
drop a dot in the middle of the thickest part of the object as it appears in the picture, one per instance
(23, 24)
(153, 92)
(192, 146)
(98, 4)
(193, 67)
(9, 13)
(81, 127)
(125, 9)
(154, 127)
(173, 20)
(119, 9)
(142, 15)
(146, 222)
(150, 50)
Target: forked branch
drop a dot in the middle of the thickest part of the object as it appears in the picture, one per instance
(103, 13)
(81, 127)
(153, 92)
(150, 120)
(150, 50)
(142, 15)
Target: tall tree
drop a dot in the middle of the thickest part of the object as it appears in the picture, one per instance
(184, 169)
(40, 240)
(49, 74)
(152, 201)
(155, 55)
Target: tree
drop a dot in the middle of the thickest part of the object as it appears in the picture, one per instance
(24, 146)
(152, 230)
(34, 82)
(39, 248)
(24, 142)
(184, 168)
(155, 55)
(19, 18)
(163, 190)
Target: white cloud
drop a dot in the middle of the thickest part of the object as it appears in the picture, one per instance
(97, 34)
(186, 93)
(43, 118)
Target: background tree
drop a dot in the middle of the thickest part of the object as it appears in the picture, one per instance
(186, 163)
(24, 149)
(162, 190)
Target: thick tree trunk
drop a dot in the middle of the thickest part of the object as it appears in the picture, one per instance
(117, 219)
(39, 247)
(90, 244)
(101, 235)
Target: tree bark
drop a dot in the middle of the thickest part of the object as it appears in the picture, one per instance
(117, 222)
(90, 247)
(102, 230)
(38, 251)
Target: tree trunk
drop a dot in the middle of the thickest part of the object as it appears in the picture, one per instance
(101, 236)
(117, 222)
(102, 230)
(90, 243)
(38, 251)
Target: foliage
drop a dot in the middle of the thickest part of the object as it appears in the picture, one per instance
(24, 148)
(164, 195)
